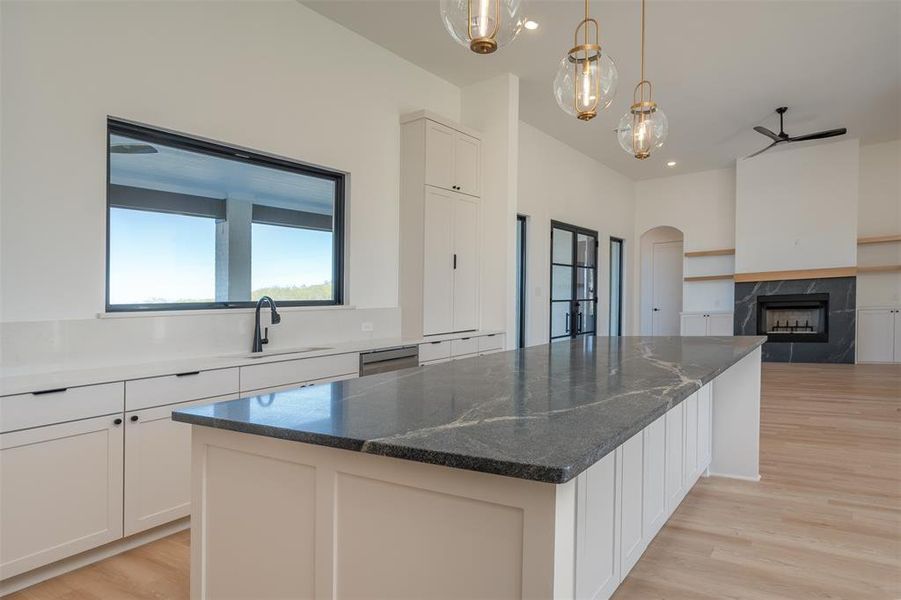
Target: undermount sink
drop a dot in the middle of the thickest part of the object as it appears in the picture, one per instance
(265, 354)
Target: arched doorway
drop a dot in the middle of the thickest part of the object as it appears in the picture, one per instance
(661, 281)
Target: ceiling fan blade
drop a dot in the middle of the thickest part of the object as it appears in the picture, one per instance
(132, 149)
(819, 135)
(764, 150)
(767, 133)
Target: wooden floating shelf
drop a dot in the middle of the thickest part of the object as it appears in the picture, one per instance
(880, 269)
(879, 239)
(723, 252)
(798, 274)
(708, 277)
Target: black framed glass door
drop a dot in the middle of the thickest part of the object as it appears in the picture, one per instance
(574, 301)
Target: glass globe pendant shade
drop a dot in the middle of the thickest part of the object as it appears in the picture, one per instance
(586, 82)
(642, 129)
(483, 25)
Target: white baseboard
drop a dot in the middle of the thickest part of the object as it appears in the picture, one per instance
(24, 580)
(728, 476)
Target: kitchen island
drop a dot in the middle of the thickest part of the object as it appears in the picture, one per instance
(536, 473)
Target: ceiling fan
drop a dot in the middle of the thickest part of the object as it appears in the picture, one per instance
(780, 137)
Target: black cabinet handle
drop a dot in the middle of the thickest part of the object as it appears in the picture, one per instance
(187, 373)
(580, 324)
(455, 261)
(117, 421)
(53, 391)
(134, 418)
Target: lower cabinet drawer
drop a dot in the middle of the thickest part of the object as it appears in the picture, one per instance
(183, 387)
(48, 407)
(434, 351)
(464, 346)
(61, 491)
(158, 466)
(267, 375)
(487, 343)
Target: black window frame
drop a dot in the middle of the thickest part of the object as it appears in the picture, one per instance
(619, 270)
(222, 150)
(575, 302)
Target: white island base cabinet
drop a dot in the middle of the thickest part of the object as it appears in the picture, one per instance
(284, 519)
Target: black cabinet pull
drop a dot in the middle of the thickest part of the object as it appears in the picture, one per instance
(134, 418)
(187, 373)
(455, 260)
(53, 391)
(117, 421)
(580, 323)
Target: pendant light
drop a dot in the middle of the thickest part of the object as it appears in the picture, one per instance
(586, 78)
(483, 25)
(644, 127)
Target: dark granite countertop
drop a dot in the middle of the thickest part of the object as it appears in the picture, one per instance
(544, 413)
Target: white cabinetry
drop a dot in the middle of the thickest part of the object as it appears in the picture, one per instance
(452, 159)
(439, 227)
(632, 528)
(61, 491)
(431, 353)
(675, 457)
(694, 324)
(597, 543)
(879, 335)
(290, 372)
(450, 282)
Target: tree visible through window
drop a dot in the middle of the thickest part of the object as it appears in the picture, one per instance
(193, 224)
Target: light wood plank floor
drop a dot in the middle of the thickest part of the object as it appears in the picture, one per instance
(824, 522)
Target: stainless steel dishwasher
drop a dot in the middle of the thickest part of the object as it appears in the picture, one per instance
(388, 359)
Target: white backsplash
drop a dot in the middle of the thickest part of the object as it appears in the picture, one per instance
(121, 339)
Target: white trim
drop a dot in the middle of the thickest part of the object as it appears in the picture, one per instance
(197, 312)
(739, 477)
(60, 567)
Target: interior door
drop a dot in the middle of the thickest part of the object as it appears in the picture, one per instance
(573, 281)
(667, 288)
(438, 271)
(466, 264)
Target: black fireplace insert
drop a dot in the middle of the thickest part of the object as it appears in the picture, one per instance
(793, 317)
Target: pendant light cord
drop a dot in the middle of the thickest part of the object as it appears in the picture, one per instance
(642, 39)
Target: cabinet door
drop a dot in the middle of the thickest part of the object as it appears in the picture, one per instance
(467, 164)
(158, 466)
(439, 155)
(720, 324)
(631, 521)
(654, 497)
(675, 457)
(466, 264)
(691, 440)
(438, 263)
(597, 550)
(705, 418)
(694, 324)
(61, 491)
(875, 335)
(898, 336)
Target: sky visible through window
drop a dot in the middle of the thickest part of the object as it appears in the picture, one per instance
(169, 258)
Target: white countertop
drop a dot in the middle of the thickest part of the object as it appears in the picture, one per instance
(23, 380)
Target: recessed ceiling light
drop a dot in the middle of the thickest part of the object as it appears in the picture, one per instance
(532, 25)
(671, 163)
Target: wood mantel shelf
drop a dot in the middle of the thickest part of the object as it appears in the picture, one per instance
(708, 277)
(797, 274)
(879, 239)
(880, 269)
(722, 252)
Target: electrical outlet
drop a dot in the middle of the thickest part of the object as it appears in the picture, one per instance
(367, 326)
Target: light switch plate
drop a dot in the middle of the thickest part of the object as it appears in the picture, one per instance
(367, 326)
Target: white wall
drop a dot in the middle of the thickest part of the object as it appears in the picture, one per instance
(702, 206)
(879, 213)
(273, 76)
(556, 182)
(492, 108)
(797, 208)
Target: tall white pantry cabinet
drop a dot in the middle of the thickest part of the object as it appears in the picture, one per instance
(439, 225)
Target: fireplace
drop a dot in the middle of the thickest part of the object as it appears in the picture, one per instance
(794, 317)
(804, 320)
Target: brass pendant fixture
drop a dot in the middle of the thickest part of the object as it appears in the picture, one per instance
(644, 127)
(586, 78)
(482, 25)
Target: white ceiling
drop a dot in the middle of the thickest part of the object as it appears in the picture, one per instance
(718, 68)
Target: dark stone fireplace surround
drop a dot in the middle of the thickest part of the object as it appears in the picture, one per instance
(840, 316)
